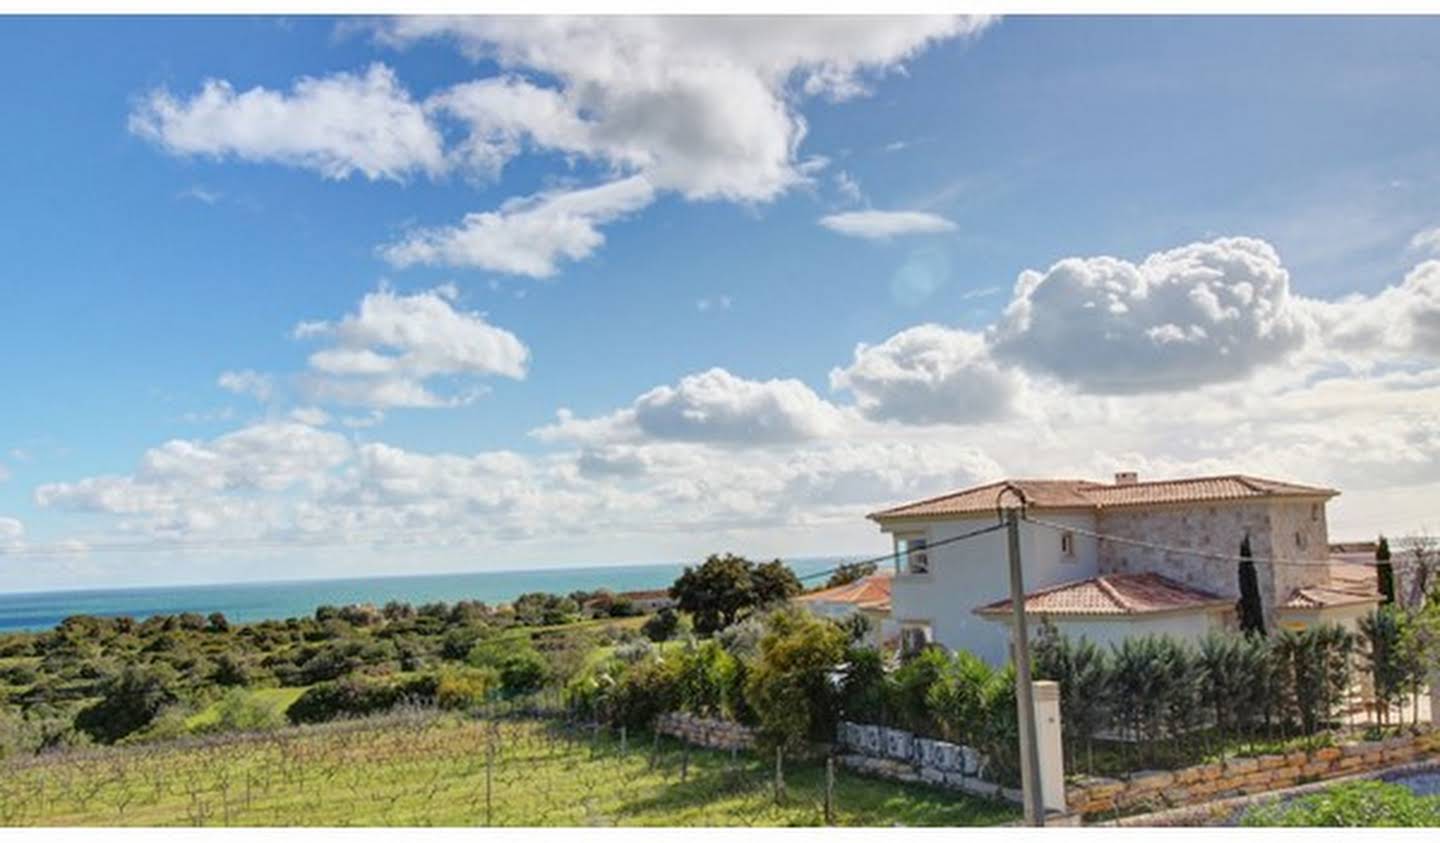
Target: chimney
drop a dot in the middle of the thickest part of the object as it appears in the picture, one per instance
(1126, 478)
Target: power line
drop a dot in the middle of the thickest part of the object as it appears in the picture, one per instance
(1204, 554)
(928, 546)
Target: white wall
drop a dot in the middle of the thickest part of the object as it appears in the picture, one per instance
(1188, 626)
(971, 573)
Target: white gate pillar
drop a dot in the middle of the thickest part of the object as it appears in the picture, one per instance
(1052, 751)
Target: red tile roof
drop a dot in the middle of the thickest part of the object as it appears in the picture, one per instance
(872, 592)
(1086, 494)
(1114, 594)
(1349, 584)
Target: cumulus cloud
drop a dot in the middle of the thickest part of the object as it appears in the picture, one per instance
(1399, 322)
(1202, 313)
(383, 353)
(929, 374)
(269, 457)
(337, 125)
(11, 529)
(700, 105)
(1427, 240)
(713, 406)
(529, 236)
(883, 225)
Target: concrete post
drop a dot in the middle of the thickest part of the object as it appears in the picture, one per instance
(1051, 748)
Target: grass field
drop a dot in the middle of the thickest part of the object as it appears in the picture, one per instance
(425, 769)
(275, 699)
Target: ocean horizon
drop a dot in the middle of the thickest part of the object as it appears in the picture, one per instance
(246, 602)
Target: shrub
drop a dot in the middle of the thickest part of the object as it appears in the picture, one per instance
(646, 690)
(790, 686)
(129, 702)
(465, 688)
(641, 649)
(865, 688)
(959, 697)
(912, 683)
(706, 674)
(241, 711)
(231, 671)
(357, 698)
(661, 626)
(523, 672)
(1362, 804)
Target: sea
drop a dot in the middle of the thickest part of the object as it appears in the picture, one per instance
(256, 601)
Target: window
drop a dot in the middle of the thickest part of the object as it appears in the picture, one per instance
(914, 637)
(1067, 545)
(1315, 512)
(914, 558)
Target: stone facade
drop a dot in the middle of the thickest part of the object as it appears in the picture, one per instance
(1156, 790)
(1294, 530)
(708, 732)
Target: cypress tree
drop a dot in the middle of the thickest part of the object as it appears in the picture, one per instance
(1252, 617)
(1384, 571)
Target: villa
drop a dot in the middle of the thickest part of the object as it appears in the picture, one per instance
(1113, 560)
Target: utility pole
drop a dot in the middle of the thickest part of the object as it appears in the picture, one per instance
(1029, 748)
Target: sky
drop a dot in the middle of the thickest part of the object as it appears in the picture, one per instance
(312, 297)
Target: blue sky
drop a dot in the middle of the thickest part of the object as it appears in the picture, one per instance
(667, 201)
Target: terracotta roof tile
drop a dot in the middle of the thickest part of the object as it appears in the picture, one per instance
(872, 592)
(1113, 594)
(1349, 584)
(1086, 494)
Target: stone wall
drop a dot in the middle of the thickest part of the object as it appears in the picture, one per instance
(1219, 528)
(1156, 790)
(904, 756)
(708, 732)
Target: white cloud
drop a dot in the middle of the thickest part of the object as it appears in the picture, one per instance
(313, 416)
(268, 457)
(383, 354)
(337, 125)
(929, 374)
(4, 473)
(848, 187)
(1399, 322)
(883, 225)
(11, 529)
(713, 303)
(713, 406)
(248, 382)
(528, 236)
(1202, 313)
(1427, 240)
(703, 106)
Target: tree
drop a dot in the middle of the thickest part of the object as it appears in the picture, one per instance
(850, 572)
(1252, 614)
(774, 582)
(715, 592)
(1384, 571)
(1383, 630)
(218, 622)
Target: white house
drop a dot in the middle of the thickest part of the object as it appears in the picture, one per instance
(868, 596)
(1111, 560)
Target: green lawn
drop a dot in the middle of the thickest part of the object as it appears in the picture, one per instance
(432, 770)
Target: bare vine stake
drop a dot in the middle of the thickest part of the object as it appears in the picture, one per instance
(622, 740)
(830, 790)
(779, 775)
(685, 763)
(489, 766)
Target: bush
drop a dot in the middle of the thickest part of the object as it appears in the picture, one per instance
(631, 652)
(1362, 804)
(911, 690)
(523, 672)
(706, 676)
(241, 711)
(646, 691)
(661, 626)
(129, 702)
(790, 686)
(231, 671)
(358, 698)
(465, 688)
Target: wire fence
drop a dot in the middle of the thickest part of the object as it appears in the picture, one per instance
(424, 768)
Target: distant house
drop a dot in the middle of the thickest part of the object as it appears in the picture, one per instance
(649, 601)
(1112, 560)
(868, 596)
